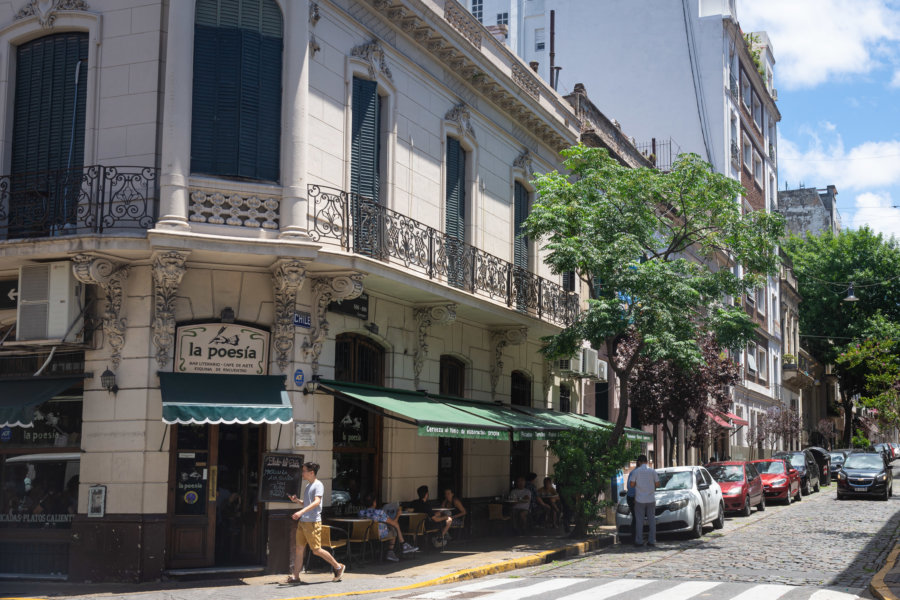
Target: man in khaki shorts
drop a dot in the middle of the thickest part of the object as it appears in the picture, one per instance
(309, 528)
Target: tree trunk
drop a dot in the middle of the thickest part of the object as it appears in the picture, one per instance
(669, 441)
(847, 404)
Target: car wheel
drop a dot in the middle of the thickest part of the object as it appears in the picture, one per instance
(816, 489)
(788, 497)
(762, 503)
(697, 529)
(840, 496)
(745, 511)
(886, 495)
(719, 523)
(805, 491)
(799, 495)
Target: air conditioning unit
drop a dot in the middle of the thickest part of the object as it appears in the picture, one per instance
(50, 303)
(570, 365)
(589, 362)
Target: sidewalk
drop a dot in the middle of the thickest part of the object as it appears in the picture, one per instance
(886, 582)
(460, 561)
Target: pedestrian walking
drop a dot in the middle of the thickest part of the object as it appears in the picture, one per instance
(644, 480)
(309, 528)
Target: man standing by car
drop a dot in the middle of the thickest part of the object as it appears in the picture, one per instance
(644, 480)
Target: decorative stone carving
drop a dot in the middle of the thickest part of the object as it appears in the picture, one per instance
(463, 21)
(313, 13)
(45, 10)
(499, 340)
(288, 277)
(548, 378)
(168, 269)
(523, 161)
(314, 46)
(235, 209)
(460, 115)
(112, 278)
(325, 290)
(526, 81)
(442, 314)
(373, 54)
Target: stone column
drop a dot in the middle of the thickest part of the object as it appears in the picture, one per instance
(294, 118)
(176, 132)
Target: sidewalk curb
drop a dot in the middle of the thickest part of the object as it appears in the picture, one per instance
(531, 560)
(877, 586)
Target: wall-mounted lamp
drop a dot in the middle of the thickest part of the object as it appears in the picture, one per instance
(850, 297)
(108, 381)
(227, 315)
(311, 386)
(372, 328)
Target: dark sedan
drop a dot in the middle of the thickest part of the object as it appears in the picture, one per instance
(807, 468)
(865, 474)
(837, 461)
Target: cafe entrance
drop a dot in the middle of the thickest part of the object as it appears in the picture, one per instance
(214, 515)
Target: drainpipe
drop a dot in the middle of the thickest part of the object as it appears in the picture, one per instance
(553, 73)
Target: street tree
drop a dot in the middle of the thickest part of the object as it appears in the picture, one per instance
(825, 428)
(876, 362)
(658, 250)
(666, 393)
(825, 265)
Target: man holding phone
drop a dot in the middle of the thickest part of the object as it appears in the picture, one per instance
(309, 527)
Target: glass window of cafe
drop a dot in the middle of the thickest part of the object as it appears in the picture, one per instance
(39, 465)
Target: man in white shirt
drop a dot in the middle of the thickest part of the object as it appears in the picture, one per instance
(644, 480)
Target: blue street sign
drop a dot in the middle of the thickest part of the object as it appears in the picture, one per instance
(302, 319)
(298, 377)
(5, 434)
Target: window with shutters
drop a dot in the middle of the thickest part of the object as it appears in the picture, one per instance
(568, 281)
(565, 398)
(453, 377)
(520, 242)
(365, 167)
(236, 113)
(455, 217)
(47, 133)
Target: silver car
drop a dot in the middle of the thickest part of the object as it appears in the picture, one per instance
(687, 499)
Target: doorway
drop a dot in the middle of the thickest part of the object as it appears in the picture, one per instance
(215, 518)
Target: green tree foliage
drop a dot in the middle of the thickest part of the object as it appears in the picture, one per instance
(825, 265)
(877, 363)
(586, 464)
(658, 248)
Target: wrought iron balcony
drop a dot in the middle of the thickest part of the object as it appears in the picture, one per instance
(365, 227)
(733, 87)
(86, 200)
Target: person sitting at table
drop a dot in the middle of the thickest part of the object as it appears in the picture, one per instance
(452, 502)
(385, 523)
(522, 507)
(435, 520)
(548, 498)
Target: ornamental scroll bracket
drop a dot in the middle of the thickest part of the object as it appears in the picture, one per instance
(167, 269)
(523, 161)
(326, 290)
(460, 115)
(45, 10)
(112, 278)
(426, 316)
(373, 54)
(288, 277)
(501, 338)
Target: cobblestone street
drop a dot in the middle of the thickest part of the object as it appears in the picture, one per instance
(817, 542)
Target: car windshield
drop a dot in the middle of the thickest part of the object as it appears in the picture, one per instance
(837, 457)
(797, 461)
(864, 461)
(776, 466)
(726, 473)
(675, 480)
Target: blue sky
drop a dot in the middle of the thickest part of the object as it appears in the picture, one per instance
(837, 73)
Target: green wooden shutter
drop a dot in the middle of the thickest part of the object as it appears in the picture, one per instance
(236, 120)
(365, 148)
(456, 190)
(520, 209)
(568, 281)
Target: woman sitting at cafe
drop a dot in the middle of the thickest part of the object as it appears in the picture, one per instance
(452, 502)
(548, 498)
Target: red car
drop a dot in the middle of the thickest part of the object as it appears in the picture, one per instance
(781, 481)
(742, 486)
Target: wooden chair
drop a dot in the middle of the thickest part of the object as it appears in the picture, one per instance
(495, 515)
(333, 539)
(375, 538)
(415, 527)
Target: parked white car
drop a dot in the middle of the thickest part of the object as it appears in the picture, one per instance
(687, 499)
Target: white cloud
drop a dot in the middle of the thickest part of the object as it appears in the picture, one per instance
(895, 80)
(873, 164)
(819, 40)
(875, 210)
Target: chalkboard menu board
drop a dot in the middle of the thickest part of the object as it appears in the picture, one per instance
(281, 476)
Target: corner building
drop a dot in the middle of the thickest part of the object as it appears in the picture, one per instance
(233, 228)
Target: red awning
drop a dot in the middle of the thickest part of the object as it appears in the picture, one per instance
(714, 415)
(736, 419)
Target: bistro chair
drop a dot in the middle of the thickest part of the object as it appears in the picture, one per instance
(458, 527)
(383, 542)
(359, 535)
(495, 515)
(414, 526)
(333, 539)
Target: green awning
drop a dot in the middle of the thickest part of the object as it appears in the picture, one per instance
(433, 418)
(19, 397)
(524, 426)
(196, 398)
(630, 432)
(572, 420)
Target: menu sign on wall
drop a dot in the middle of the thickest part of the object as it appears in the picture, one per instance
(224, 348)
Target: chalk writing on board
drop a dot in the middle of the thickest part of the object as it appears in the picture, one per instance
(281, 476)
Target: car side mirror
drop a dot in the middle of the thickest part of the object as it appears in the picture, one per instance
(792, 471)
(702, 486)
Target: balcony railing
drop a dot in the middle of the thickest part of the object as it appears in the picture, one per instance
(733, 87)
(365, 227)
(86, 200)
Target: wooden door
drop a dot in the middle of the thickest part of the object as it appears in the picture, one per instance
(192, 496)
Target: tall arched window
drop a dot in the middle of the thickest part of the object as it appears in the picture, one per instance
(519, 452)
(357, 432)
(236, 120)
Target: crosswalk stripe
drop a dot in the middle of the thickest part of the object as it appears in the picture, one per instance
(832, 595)
(483, 584)
(543, 587)
(683, 591)
(608, 590)
(764, 591)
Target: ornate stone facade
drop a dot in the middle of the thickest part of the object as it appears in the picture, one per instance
(459, 114)
(45, 10)
(234, 209)
(373, 54)
(500, 338)
(345, 286)
(168, 269)
(288, 277)
(112, 279)
(463, 21)
(442, 314)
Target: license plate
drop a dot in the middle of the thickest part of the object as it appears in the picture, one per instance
(860, 489)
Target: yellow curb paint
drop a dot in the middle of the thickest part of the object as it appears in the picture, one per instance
(877, 585)
(531, 560)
